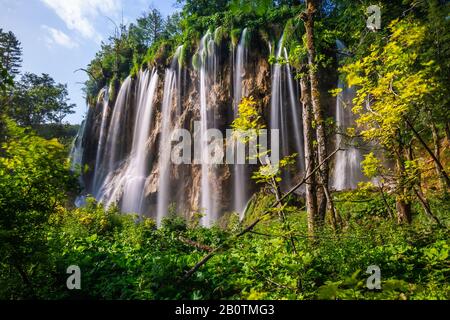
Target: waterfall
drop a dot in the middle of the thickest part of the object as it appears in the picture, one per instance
(239, 70)
(103, 99)
(77, 150)
(240, 181)
(111, 155)
(133, 194)
(208, 68)
(295, 109)
(171, 86)
(347, 166)
(76, 159)
(282, 118)
(124, 178)
(116, 129)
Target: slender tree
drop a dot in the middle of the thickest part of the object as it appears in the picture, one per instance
(397, 82)
(309, 18)
(311, 196)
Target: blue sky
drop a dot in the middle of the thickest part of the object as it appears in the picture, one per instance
(61, 36)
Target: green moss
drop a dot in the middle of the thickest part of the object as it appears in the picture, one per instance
(219, 35)
(235, 36)
(196, 61)
(135, 70)
(182, 59)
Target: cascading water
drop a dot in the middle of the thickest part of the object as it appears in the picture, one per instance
(137, 170)
(347, 167)
(76, 153)
(171, 86)
(103, 99)
(126, 176)
(111, 155)
(295, 111)
(208, 68)
(240, 180)
(76, 159)
(239, 70)
(282, 118)
(122, 162)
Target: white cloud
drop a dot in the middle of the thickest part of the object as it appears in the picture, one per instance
(79, 15)
(56, 36)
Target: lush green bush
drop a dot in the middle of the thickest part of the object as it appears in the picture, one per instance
(34, 182)
(124, 257)
(127, 257)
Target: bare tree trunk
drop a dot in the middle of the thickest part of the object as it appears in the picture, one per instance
(308, 136)
(418, 188)
(402, 202)
(438, 164)
(437, 152)
(403, 210)
(388, 208)
(426, 205)
(447, 132)
(311, 8)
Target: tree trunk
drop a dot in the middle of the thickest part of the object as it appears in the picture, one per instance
(447, 132)
(426, 205)
(388, 208)
(418, 189)
(438, 164)
(402, 200)
(403, 210)
(308, 136)
(311, 8)
(437, 152)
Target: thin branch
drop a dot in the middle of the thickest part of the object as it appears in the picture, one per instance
(88, 72)
(196, 244)
(272, 281)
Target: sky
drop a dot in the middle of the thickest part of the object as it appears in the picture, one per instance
(61, 36)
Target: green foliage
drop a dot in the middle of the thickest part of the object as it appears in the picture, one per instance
(259, 7)
(33, 100)
(389, 75)
(34, 181)
(38, 100)
(219, 35)
(249, 116)
(10, 53)
(400, 91)
(65, 133)
(364, 202)
(123, 257)
(5, 80)
(371, 166)
(148, 29)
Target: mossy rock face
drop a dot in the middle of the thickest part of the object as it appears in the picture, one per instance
(235, 36)
(219, 35)
(182, 58)
(196, 61)
(134, 72)
(162, 55)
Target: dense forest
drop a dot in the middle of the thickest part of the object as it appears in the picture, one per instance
(357, 207)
